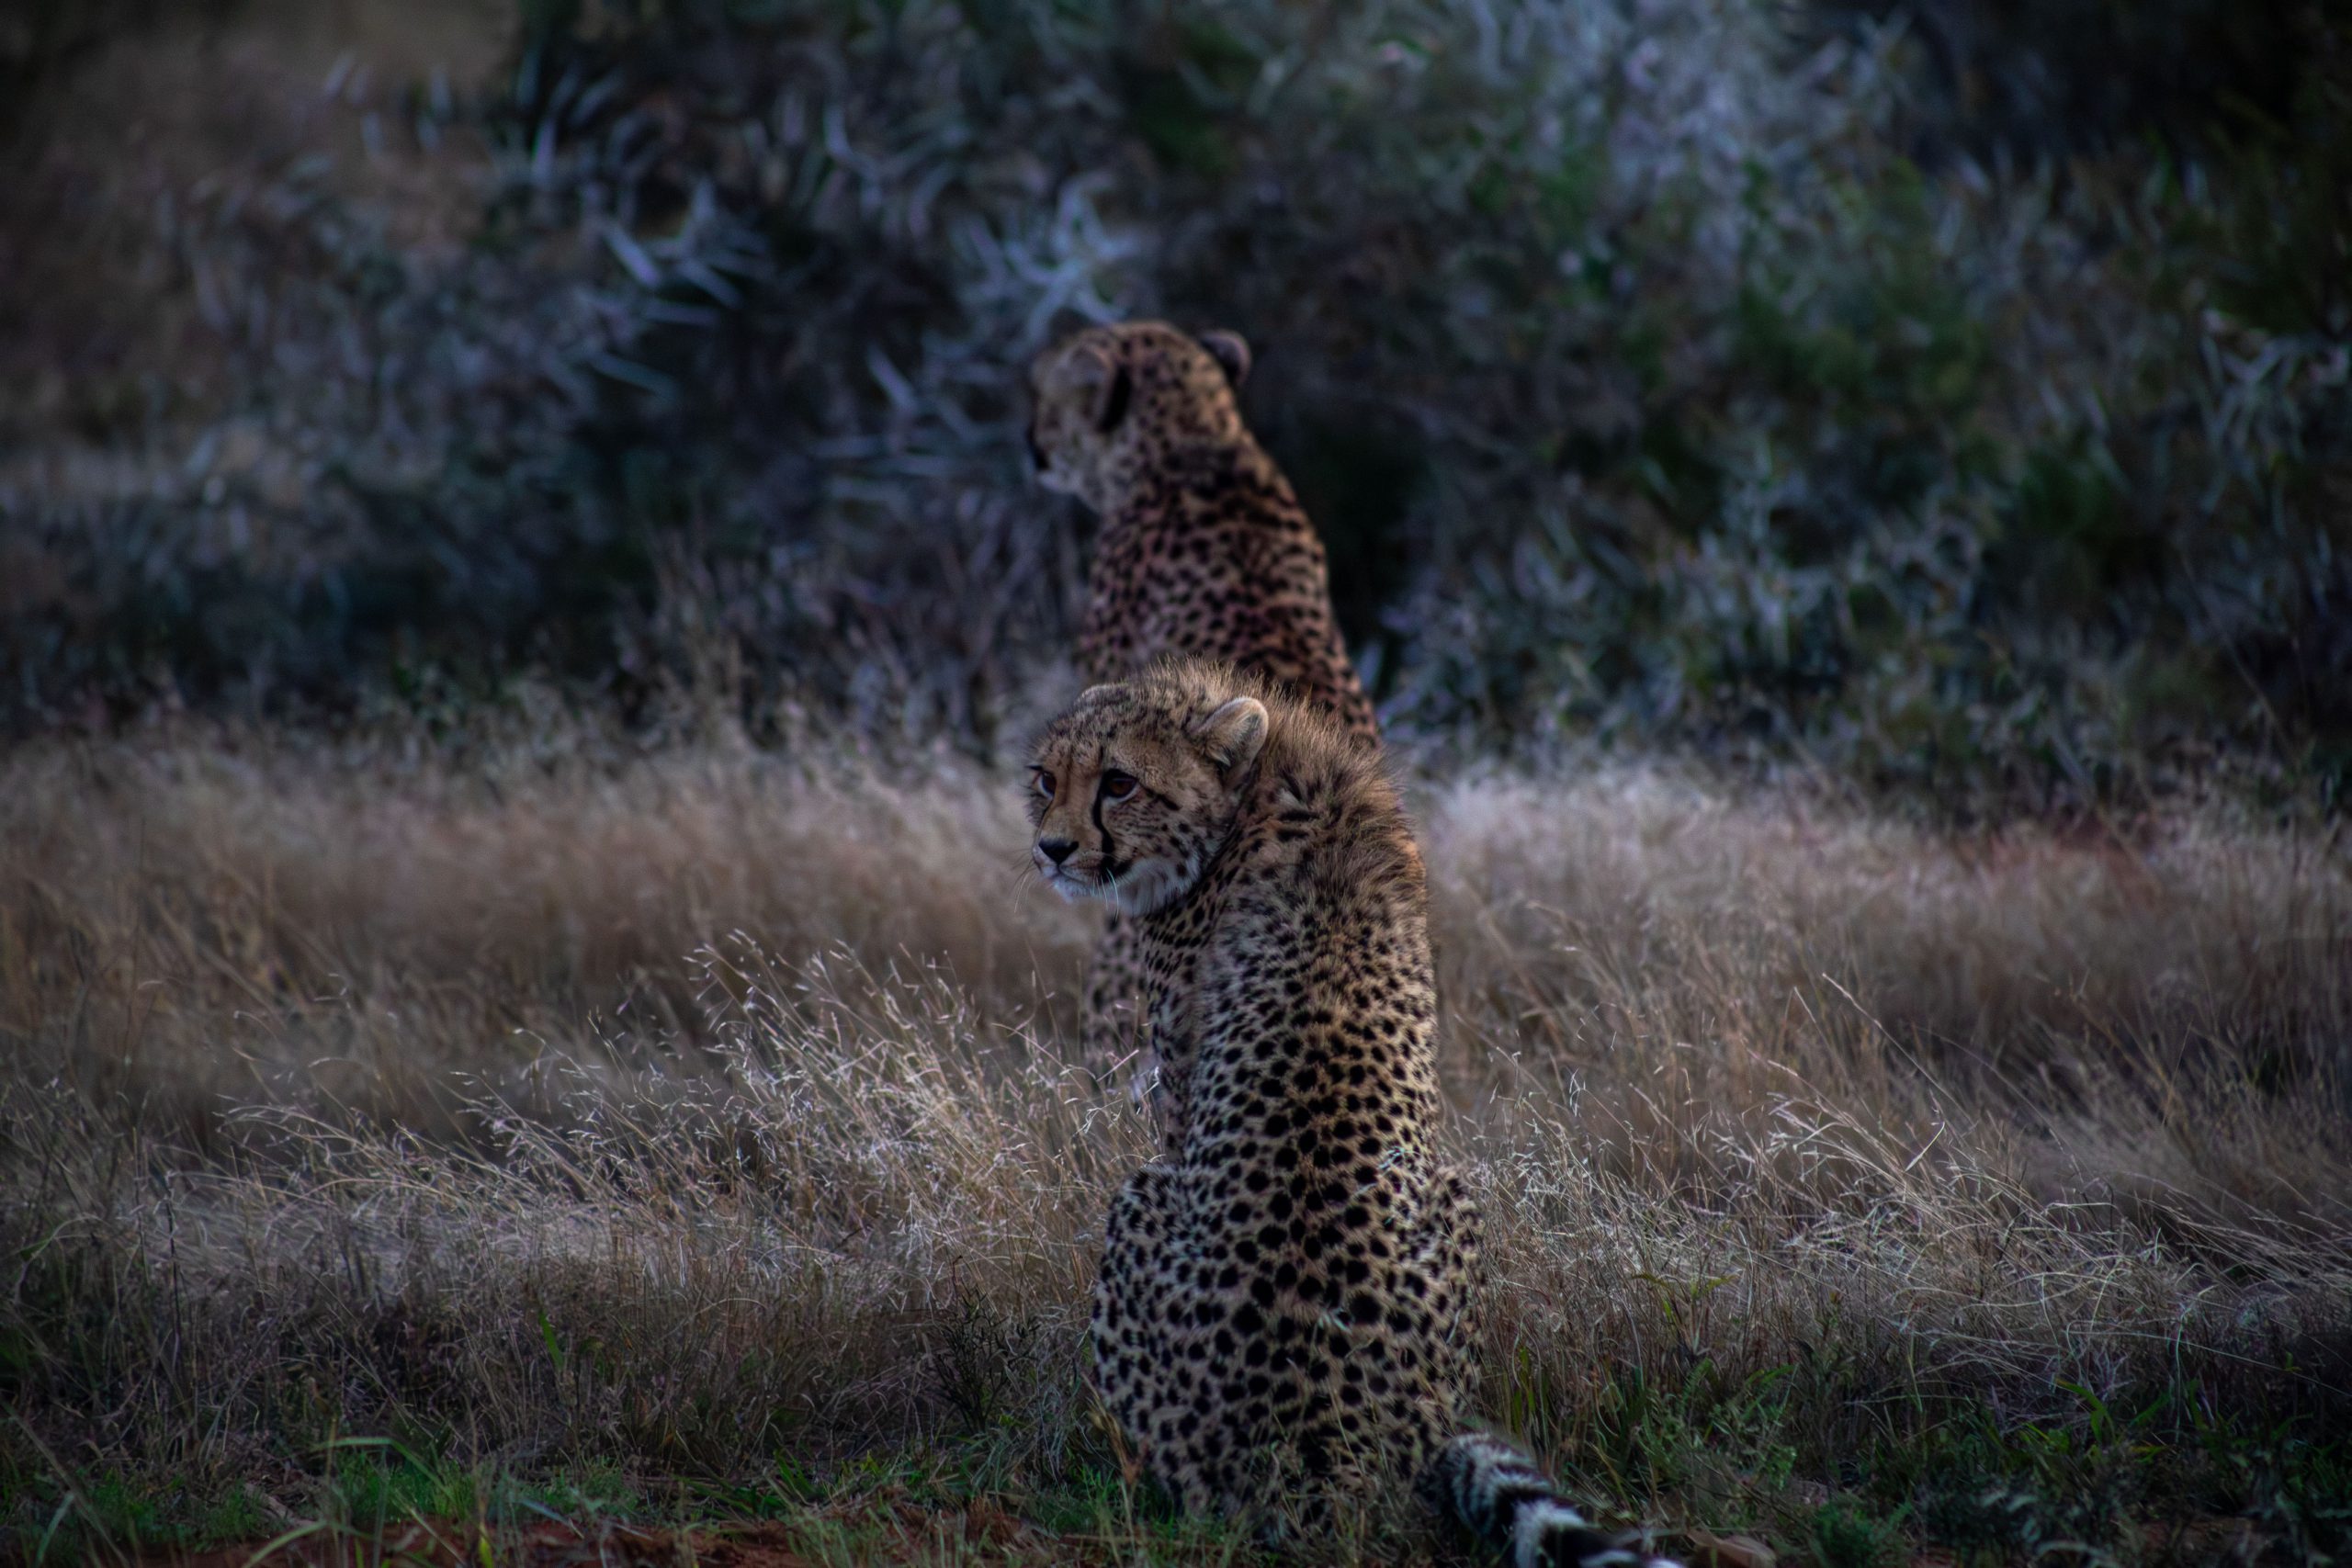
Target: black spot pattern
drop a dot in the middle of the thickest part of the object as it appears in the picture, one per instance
(1205, 553)
(1491, 1488)
(1283, 1312)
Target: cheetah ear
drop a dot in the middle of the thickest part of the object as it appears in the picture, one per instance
(1096, 383)
(1229, 350)
(1232, 734)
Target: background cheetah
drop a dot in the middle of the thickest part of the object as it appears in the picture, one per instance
(1282, 1313)
(1205, 552)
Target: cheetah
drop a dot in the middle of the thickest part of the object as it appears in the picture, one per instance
(1205, 552)
(1282, 1314)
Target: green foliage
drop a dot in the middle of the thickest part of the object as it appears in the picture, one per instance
(1654, 378)
(378, 1482)
(1845, 1535)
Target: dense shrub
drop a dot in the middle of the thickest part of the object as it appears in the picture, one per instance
(1670, 370)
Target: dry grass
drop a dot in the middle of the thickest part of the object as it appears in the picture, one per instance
(371, 1092)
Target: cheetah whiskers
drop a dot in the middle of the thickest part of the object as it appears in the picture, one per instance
(1020, 881)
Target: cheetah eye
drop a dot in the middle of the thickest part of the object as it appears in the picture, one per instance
(1117, 785)
(1045, 784)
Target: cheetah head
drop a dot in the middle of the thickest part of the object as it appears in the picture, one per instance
(1136, 786)
(1109, 400)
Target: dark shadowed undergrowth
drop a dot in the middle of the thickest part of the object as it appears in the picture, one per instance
(690, 1131)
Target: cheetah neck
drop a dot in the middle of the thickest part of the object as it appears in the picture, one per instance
(1151, 486)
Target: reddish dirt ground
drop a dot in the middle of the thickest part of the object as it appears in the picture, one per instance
(539, 1546)
(979, 1533)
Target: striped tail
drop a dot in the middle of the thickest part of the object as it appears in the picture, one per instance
(1502, 1498)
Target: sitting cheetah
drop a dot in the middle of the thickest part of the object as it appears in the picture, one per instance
(1283, 1307)
(1205, 553)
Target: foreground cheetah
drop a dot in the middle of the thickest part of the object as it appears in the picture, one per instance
(1205, 553)
(1284, 1309)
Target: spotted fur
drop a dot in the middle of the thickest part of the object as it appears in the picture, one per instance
(1284, 1309)
(1502, 1498)
(1205, 552)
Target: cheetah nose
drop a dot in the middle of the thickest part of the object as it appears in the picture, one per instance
(1057, 850)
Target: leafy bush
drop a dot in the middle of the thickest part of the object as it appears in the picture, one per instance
(1645, 381)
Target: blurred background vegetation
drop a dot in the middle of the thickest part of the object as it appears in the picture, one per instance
(1957, 398)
